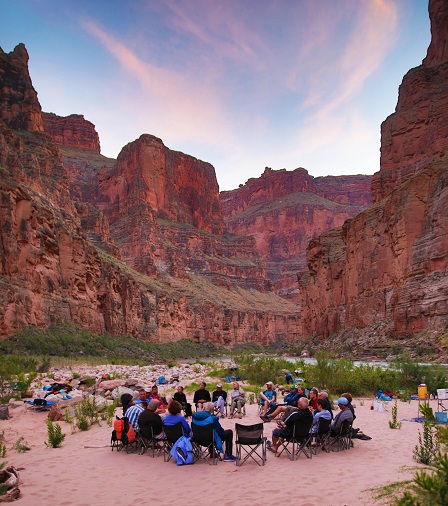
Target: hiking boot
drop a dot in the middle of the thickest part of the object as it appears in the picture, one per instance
(229, 458)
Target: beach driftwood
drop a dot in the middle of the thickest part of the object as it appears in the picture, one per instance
(9, 478)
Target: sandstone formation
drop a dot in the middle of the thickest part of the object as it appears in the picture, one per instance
(127, 247)
(417, 132)
(19, 107)
(388, 265)
(283, 210)
(72, 131)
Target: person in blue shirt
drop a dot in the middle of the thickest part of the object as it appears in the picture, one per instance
(268, 397)
(174, 416)
(290, 400)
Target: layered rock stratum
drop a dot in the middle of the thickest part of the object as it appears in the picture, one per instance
(283, 210)
(387, 267)
(134, 246)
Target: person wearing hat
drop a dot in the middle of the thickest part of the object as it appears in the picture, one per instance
(219, 399)
(130, 410)
(290, 405)
(344, 414)
(237, 400)
(268, 398)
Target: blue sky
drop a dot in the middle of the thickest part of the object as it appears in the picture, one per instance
(241, 84)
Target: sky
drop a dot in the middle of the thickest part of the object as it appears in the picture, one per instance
(241, 84)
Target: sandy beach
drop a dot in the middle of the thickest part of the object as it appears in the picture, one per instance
(85, 472)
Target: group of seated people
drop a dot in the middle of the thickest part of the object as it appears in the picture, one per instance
(149, 409)
(297, 407)
(219, 399)
(146, 419)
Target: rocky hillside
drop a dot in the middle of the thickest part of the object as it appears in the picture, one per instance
(387, 266)
(133, 246)
(283, 210)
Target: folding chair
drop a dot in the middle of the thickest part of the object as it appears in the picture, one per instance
(40, 404)
(203, 441)
(322, 436)
(300, 439)
(342, 440)
(250, 436)
(147, 441)
(172, 434)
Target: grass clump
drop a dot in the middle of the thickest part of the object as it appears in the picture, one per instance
(21, 446)
(394, 423)
(67, 340)
(55, 435)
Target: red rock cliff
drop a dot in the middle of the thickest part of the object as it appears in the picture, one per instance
(60, 255)
(388, 266)
(72, 131)
(19, 107)
(282, 210)
(417, 132)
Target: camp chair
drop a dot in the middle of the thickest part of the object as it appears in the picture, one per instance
(172, 434)
(300, 439)
(203, 441)
(251, 437)
(147, 441)
(243, 407)
(321, 436)
(40, 404)
(342, 439)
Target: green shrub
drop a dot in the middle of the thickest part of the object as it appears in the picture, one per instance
(394, 423)
(55, 435)
(428, 445)
(21, 446)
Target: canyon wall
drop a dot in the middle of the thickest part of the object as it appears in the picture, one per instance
(417, 132)
(128, 247)
(283, 210)
(388, 265)
(72, 131)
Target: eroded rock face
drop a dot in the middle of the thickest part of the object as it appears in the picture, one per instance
(19, 107)
(73, 131)
(417, 132)
(76, 226)
(175, 186)
(388, 265)
(283, 210)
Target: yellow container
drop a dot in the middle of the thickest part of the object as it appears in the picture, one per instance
(422, 391)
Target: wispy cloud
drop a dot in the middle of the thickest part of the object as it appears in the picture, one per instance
(179, 105)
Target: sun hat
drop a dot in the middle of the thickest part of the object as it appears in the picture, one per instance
(342, 400)
(218, 385)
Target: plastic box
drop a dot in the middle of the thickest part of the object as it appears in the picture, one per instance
(442, 393)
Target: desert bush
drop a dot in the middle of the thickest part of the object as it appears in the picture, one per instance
(21, 446)
(394, 423)
(55, 435)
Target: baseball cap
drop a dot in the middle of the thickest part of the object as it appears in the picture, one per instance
(342, 400)
(218, 385)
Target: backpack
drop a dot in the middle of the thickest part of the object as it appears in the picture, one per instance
(123, 433)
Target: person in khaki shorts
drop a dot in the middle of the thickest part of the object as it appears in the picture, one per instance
(237, 400)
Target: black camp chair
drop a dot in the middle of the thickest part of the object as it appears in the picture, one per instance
(300, 439)
(147, 441)
(172, 434)
(250, 440)
(203, 441)
(321, 436)
(341, 439)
